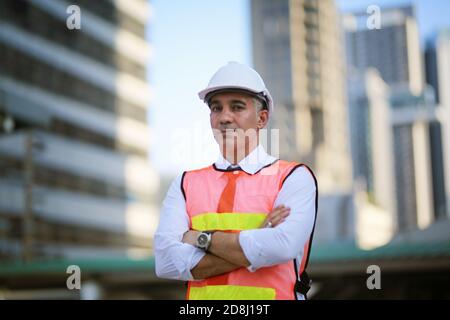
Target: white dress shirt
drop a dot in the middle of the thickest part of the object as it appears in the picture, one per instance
(262, 247)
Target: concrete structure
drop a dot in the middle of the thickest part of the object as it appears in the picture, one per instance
(394, 49)
(397, 157)
(74, 173)
(437, 60)
(419, 159)
(292, 41)
(373, 159)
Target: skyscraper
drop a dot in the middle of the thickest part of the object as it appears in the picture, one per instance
(74, 173)
(394, 49)
(437, 61)
(371, 133)
(417, 157)
(416, 135)
(373, 158)
(292, 41)
(397, 156)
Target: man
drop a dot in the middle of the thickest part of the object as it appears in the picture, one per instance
(242, 227)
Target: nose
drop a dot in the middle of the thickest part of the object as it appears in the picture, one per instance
(226, 117)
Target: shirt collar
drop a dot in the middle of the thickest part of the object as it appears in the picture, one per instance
(255, 161)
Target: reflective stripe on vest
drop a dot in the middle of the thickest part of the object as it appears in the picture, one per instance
(228, 221)
(230, 292)
(253, 199)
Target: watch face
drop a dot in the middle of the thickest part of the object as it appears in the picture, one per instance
(202, 239)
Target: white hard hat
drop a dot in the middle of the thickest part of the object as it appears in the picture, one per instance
(238, 76)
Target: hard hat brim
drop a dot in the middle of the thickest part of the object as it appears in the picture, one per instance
(264, 95)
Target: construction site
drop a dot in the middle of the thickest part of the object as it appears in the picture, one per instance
(80, 197)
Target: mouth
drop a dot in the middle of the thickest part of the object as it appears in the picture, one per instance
(228, 131)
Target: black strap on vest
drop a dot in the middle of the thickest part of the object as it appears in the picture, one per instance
(304, 284)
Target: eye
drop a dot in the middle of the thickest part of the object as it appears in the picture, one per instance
(237, 107)
(215, 108)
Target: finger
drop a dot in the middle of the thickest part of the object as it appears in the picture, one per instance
(282, 212)
(272, 214)
(278, 222)
(278, 218)
(277, 210)
(264, 224)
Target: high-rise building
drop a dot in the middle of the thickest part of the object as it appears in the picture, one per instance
(397, 158)
(393, 49)
(75, 179)
(418, 159)
(371, 136)
(437, 66)
(414, 186)
(373, 158)
(292, 42)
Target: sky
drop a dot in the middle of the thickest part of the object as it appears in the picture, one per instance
(191, 39)
(431, 14)
(188, 47)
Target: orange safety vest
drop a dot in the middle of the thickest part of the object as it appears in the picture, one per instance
(254, 198)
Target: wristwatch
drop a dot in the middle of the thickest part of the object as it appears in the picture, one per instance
(204, 240)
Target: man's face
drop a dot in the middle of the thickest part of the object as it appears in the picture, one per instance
(235, 121)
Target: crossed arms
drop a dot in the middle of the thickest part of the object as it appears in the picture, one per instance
(225, 252)
(177, 258)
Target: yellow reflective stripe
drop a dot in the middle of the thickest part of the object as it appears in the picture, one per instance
(228, 221)
(228, 292)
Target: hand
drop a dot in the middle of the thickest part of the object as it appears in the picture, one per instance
(190, 237)
(277, 216)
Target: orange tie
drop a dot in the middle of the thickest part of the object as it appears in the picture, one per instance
(226, 201)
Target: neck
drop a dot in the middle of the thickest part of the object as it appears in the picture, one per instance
(235, 155)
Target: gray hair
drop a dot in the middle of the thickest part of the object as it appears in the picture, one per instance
(259, 105)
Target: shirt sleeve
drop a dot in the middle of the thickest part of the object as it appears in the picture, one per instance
(271, 246)
(173, 258)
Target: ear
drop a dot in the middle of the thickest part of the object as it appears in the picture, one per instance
(263, 118)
